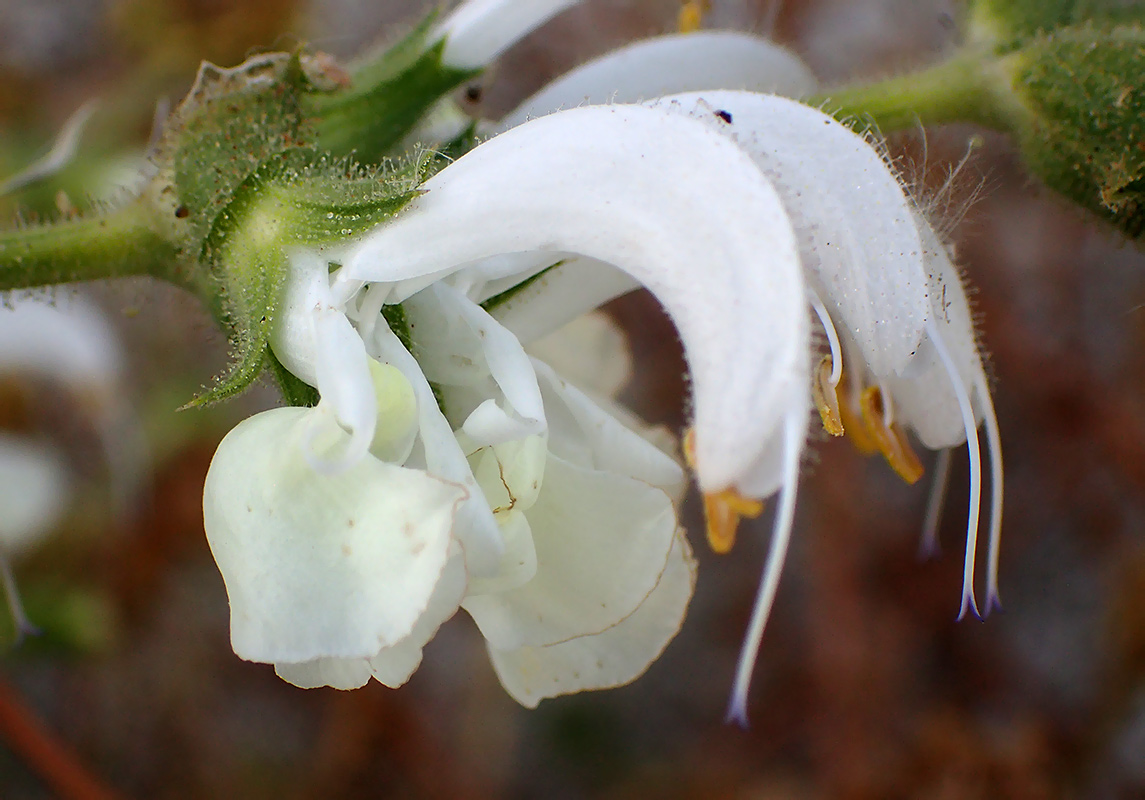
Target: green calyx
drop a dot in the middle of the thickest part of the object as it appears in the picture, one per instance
(1074, 98)
(281, 207)
(1082, 130)
(385, 97)
(1007, 24)
(255, 163)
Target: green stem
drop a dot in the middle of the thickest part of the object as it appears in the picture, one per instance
(112, 245)
(967, 88)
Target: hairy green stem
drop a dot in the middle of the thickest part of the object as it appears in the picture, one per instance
(117, 244)
(967, 88)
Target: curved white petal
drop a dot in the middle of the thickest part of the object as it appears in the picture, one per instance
(320, 566)
(314, 339)
(584, 434)
(475, 528)
(337, 673)
(590, 352)
(662, 197)
(601, 541)
(559, 295)
(33, 491)
(478, 31)
(858, 240)
(682, 62)
(459, 343)
(614, 657)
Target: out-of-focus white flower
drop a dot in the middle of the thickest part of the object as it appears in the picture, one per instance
(478, 31)
(680, 62)
(67, 341)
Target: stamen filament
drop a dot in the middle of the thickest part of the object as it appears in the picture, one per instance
(929, 547)
(20, 621)
(769, 583)
(825, 385)
(994, 445)
(972, 446)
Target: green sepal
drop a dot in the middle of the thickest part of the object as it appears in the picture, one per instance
(294, 201)
(1082, 125)
(1007, 24)
(389, 93)
(231, 123)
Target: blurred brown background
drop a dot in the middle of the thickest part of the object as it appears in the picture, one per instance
(866, 687)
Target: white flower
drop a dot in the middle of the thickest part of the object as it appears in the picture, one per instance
(661, 65)
(67, 342)
(478, 31)
(561, 538)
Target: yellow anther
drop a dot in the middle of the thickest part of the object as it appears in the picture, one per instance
(827, 398)
(691, 15)
(853, 419)
(890, 439)
(723, 511)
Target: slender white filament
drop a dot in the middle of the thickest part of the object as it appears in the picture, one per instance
(964, 405)
(793, 432)
(832, 336)
(929, 547)
(994, 444)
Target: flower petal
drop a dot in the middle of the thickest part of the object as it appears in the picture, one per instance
(480, 30)
(591, 352)
(313, 338)
(601, 541)
(394, 665)
(475, 528)
(337, 673)
(611, 658)
(858, 241)
(560, 295)
(321, 566)
(33, 491)
(583, 433)
(670, 64)
(459, 343)
(662, 197)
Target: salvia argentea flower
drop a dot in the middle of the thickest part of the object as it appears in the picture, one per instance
(554, 526)
(583, 202)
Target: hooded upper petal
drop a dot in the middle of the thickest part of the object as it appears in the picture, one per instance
(858, 240)
(660, 196)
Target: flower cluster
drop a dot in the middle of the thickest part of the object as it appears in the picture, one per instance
(445, 467)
